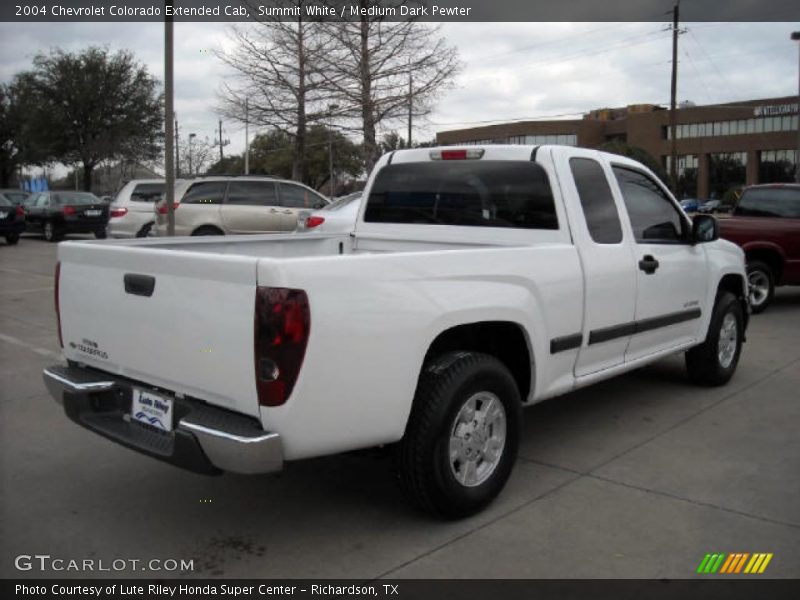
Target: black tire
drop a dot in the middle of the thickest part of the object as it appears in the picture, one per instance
(12, 238)
(144, 231)
(704, 363)
(207, 230)
(761, 283)
(100, 234)
(423, 455)
(51, 232)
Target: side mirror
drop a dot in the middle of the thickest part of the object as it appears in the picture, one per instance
(705, 228)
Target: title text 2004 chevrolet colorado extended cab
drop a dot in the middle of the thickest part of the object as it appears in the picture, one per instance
(477, 281)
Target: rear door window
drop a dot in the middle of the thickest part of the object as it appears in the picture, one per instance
(147, 192)
(296, 196)
(770, 202)
(252, 193)
(513, 194)
(599, 209)
(205, 192)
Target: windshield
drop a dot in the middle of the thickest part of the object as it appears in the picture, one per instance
(75, 198)
(770, 202)
(468, 193)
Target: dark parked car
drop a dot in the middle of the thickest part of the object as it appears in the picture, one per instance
(766, 224)
(709, 207)
(15, 196)
(57, 213)
(12, 220)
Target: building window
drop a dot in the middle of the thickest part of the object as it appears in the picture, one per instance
(687, 174)
(777, 166)
(727, 173)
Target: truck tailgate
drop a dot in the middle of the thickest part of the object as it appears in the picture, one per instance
(193, 334)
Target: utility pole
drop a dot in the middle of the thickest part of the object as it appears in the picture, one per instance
(796, 38)
(673, 154)
(177, 145)
(410, 106)
(168, 123)
(246, 138)
(222, 143)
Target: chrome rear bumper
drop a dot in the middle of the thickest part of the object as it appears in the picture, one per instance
(205, 439)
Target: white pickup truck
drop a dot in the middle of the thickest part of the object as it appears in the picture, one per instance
(477, 281)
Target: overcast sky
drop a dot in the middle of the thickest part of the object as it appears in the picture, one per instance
(511, 71)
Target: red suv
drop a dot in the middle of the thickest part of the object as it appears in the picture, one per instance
(766, 224)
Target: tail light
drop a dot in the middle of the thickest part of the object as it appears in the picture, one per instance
(118, 212)
(20, 211)
(57, 303)
(282, 325)
(314, 221)
(162, 208)
(467, 154)
(69, 210)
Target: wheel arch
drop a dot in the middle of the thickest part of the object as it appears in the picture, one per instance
(207, 226)
(505, 340)
(768, 253)
(736, 284)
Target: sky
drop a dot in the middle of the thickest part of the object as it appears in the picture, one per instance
(511, 71)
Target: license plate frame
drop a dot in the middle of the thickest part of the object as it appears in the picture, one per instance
(152, 409)
(93, 212)
(3, 214)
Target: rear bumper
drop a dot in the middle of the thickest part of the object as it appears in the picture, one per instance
(205, 439)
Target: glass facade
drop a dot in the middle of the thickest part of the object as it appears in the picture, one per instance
(687, 174)
(727, 173)
(776, 166)
(737, 127)
(562, 139)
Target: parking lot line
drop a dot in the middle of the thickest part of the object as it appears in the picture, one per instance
(28, 291)
(40, 351)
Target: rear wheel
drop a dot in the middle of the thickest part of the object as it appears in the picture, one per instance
(100, 234)
(51, 234)
(207, 230)
(12, 238)
(714, 361)
(462, 435)
(144, 231)
(761, 283)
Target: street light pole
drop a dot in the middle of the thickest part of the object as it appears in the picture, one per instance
(169, 166)
(796, 38)
(331, 108)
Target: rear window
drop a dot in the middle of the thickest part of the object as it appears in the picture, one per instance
(4, 201)
(770, 202)
(147, 192)
(474, 194)
(75, 198)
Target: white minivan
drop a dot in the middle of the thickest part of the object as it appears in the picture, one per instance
(131, 213)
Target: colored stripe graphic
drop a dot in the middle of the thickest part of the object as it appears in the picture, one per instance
(735, 562)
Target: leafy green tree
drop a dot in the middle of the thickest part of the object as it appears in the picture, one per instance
(10, 126)
(638, 154)
(87, 107)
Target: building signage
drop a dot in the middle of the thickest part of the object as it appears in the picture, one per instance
(775, 110)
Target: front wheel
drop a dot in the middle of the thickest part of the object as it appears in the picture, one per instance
(462, 436)
(714, 361)
(761, 283)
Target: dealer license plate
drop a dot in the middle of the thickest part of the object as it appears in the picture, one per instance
(93, 213)
(152, 409)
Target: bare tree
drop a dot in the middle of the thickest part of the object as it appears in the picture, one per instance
(277, 66)
(381, 69)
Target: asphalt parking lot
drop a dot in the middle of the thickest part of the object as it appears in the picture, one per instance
(637, 477)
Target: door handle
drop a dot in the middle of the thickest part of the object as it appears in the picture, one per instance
(288, 212)
(648, 264)
(273, 211)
